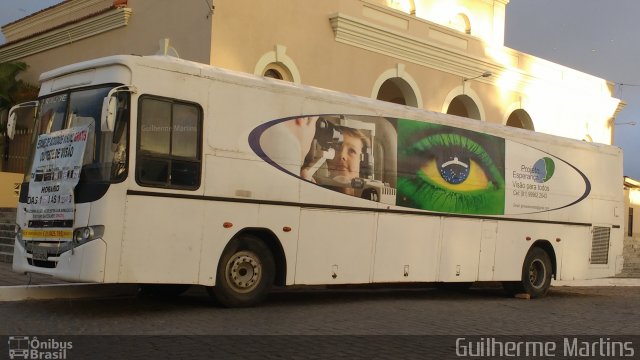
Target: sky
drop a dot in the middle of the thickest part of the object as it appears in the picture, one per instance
(12, 10)
(598, 37)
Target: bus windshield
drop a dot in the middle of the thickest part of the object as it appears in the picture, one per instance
(105, 156)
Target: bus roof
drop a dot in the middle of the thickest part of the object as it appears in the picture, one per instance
(183, 66)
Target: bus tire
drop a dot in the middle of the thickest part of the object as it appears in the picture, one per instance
(245, 274)
(536, 275)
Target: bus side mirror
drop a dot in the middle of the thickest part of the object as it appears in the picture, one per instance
(109, 109)
(11, 125)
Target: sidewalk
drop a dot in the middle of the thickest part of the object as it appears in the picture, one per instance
(19, 287)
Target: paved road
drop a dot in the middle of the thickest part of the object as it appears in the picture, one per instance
(609, 311)
(570, 310)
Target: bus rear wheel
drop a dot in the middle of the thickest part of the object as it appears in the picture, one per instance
(245, 273)
(536, 275)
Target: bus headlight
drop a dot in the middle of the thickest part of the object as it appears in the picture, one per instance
(82, 235)
(86, 234)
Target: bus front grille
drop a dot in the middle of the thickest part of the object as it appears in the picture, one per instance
(43, 263)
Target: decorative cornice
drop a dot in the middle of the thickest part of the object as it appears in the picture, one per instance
(93, 25)
(55, 16)
(443, 50)
(621, 105)
(372, 37)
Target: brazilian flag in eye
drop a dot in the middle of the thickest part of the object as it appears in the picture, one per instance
(447, 169)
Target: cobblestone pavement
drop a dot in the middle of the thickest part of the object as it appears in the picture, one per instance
(602, 310)
(353, 314)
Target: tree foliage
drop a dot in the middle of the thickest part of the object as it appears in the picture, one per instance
(12, 90)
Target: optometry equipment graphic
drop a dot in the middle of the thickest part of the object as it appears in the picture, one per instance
(329, 141)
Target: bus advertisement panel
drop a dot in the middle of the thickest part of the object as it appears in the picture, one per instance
(422, 165)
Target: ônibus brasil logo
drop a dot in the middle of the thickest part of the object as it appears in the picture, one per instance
(26, 347)
(543, 170)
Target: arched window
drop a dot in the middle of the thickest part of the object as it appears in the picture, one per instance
(274, 74)
(463, 105)
(392, 91)
(407, 6)
(276, 64)
(277, 71)
(520, 119)
(461, 23)
(397, 86)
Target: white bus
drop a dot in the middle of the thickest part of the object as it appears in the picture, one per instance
(176, 172)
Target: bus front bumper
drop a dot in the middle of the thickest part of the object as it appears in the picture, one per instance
(84, 264)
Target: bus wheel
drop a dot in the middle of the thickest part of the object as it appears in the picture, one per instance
(536, 275)
(245, 273)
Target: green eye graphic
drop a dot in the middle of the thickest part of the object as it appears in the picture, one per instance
(448, 169)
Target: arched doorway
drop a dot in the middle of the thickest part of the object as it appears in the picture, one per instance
(463, 105)
(520, 119)
(396, 90)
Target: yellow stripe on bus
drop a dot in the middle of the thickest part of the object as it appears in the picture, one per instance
(39, 234)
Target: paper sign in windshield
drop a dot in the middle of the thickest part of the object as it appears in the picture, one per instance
(55, 173)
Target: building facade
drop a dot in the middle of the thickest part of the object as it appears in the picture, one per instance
(631, 249)
(425, 53)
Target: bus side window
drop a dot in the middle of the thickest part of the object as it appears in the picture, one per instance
(169, 134)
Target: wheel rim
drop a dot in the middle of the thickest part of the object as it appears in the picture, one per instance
(537, 274)
(244, 271)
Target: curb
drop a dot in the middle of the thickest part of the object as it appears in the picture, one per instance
(597, 282)
(65, 291)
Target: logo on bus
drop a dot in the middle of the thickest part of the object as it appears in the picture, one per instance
(543, 170)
